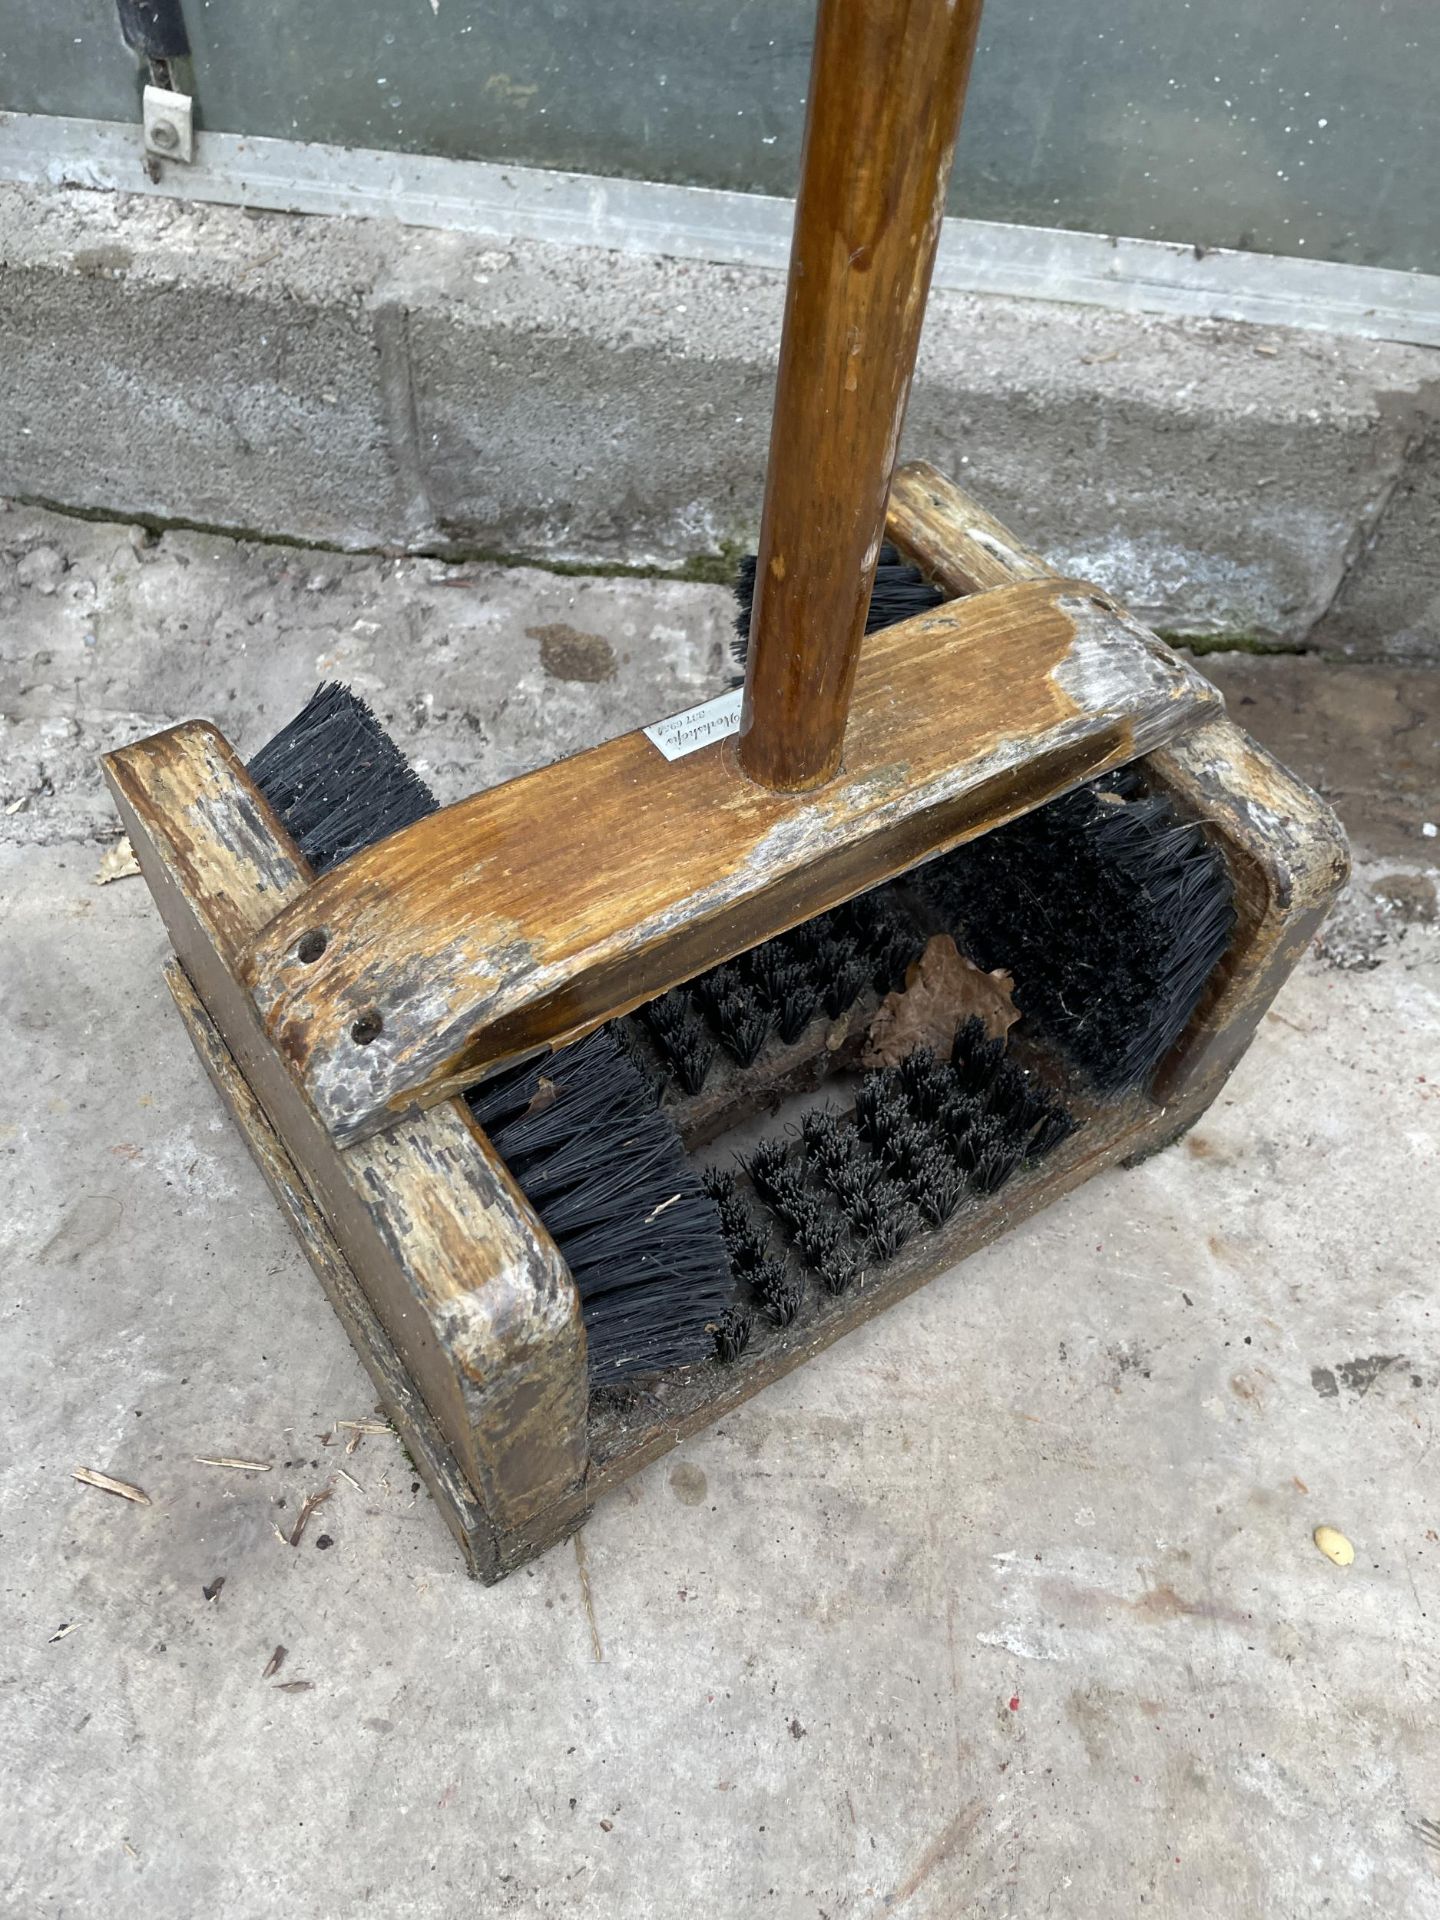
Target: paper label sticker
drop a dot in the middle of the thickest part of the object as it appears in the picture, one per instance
(684, 732)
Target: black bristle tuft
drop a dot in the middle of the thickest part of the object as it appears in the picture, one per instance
(925, 1083)
(731, 1334)
(889, 1230)
(880, 1208)
(995, 1164)
(795, 1003)
(818, 1238)
(748, 1246)
(743, 1025)
(844, 982)
(680, 1037)
(936, 1187)
(768, 1168)
(711, 990)
(1008, 1097)
(972, 1134)
(830, 1144)
(337, 780)
(839, 1271)
(1055, 1126)
(977, 1056)
(777, 1293)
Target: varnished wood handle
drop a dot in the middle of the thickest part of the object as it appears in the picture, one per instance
(886, 87)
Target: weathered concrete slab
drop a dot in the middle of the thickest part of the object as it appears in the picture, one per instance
(1009, 1603)
(1393, 589)
(367, 385)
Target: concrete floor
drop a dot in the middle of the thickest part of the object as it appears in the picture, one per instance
(1006, 1605)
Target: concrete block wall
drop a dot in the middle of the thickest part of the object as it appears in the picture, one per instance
(365, 385)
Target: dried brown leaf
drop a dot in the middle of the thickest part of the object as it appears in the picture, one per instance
(295, 1686)
(93, 1478)
(543, 1096)
(274, 1663)
(942, 991)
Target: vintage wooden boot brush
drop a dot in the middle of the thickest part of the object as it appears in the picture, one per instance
(495, 1060)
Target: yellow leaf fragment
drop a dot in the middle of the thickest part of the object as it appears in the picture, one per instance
(1333, 1544)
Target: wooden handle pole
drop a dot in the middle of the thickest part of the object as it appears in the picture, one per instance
(886, 88)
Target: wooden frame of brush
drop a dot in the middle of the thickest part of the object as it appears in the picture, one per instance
(455, 1297)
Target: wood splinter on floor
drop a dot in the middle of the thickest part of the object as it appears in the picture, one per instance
(92, 1477)
(358, 1429)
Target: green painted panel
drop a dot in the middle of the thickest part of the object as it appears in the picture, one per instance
(1287, 126)
(67, 56)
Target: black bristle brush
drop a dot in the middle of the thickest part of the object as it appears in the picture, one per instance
(337, 780)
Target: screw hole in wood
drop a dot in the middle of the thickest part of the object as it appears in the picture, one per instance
(367, 1028)
(310, 946)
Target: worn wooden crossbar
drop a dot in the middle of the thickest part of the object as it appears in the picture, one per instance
(526, 915)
